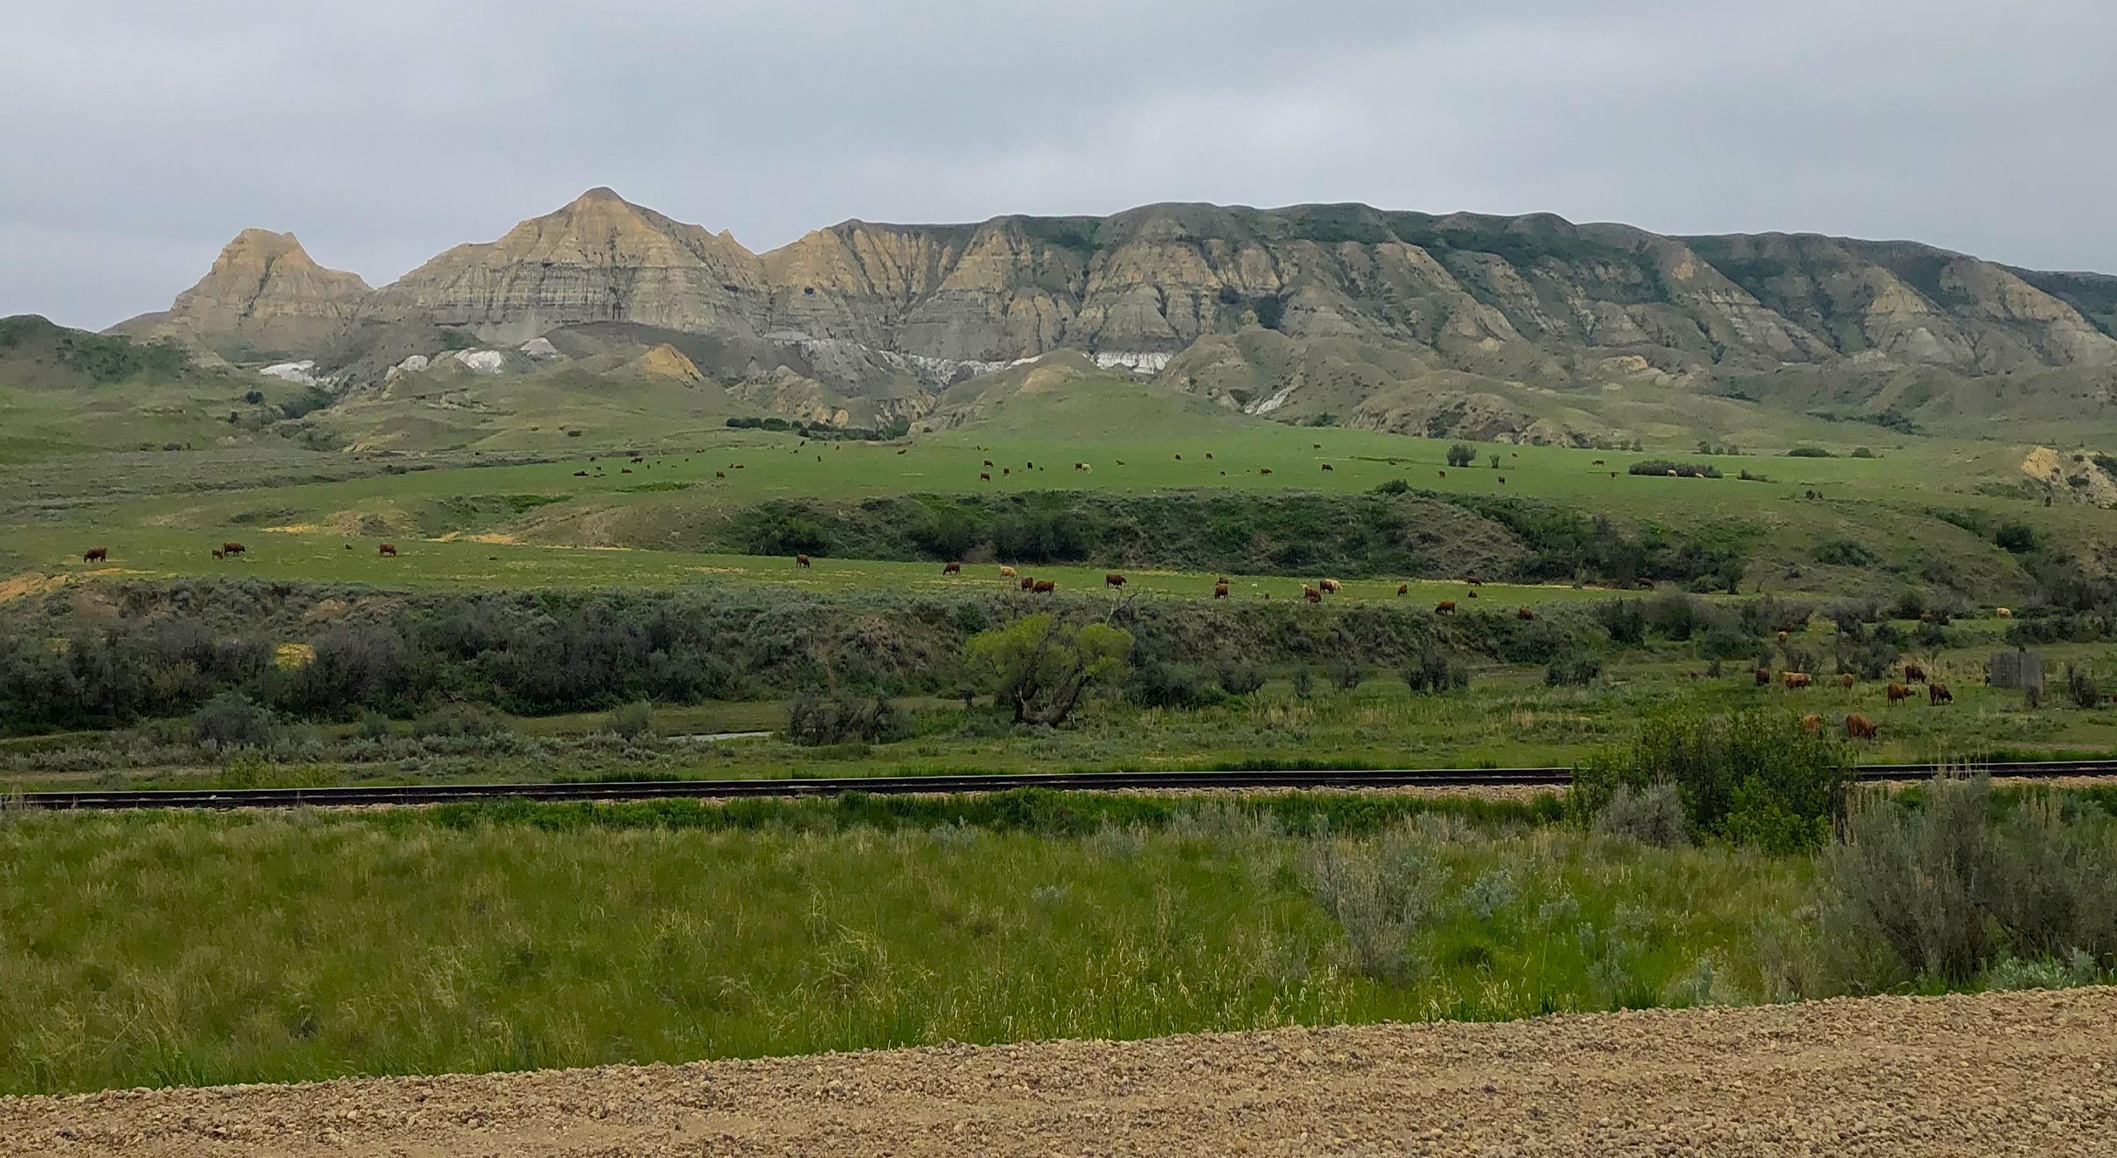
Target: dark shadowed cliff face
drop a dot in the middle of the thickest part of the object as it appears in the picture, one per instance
(1263, 310)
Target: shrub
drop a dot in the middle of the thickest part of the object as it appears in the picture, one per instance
(1574, 668)
(373, 726)
(1662, 467)
(1380, 893)
(632, 721)
(2016, 538)
(1862, 452)
(1651, 815)
(1843, 553)
(1949, 891)
(231, 720)
(1461, 455)
(2081, 688)
(1304, 681)
(1241, 678)
(1808, 452)
(1395, 486)
(843, 719)
(1171, 685)
(1347, 673)
(1752, 777)
(1042, 668)
(1625, 620)
(453, 720)
(1432, 669)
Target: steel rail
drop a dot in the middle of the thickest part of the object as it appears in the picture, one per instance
(635, 790)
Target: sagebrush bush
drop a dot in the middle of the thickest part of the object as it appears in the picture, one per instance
(1380, 893)
(230, 720)
(631, 721)
(843, 719)
(1172, 685)
(1948, 890)
(1651, 815)
(1577, 668)
(1433, 669)
(448, 720)
(1241, 678)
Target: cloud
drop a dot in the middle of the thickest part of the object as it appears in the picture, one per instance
(138, 139)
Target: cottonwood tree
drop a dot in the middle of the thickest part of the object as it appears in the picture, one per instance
(1043, 667)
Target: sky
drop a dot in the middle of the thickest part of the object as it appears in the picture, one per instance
(137, 138)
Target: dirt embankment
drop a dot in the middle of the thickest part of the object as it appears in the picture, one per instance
(2023, 1073)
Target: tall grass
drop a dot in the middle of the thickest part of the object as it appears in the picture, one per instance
(195, 949)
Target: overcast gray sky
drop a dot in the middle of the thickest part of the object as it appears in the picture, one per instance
(136, 138)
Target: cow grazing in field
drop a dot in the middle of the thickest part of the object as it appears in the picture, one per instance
(1120, 462)
(2003, 612)
(1524, 614)
(1914, 674)
(1209, 454)
(1937, 693)
(1673, 474)
(1265, 470)
(1315, 446)
(1045, 587)
(96, 555)
(1311, 594)
(624, 470)
(951, 568)
(637, 458)
(1028, 584)
(801, 561)
(724, 474)
(1764, 678)
(1330, 586)
(1327, 466)
(1444, 607)
(984, 476)
(1796, 680)
(1474, 581)
(1503, 480)
(1443, 474)
(1859, 728)
(233, 548)
(1006, 572)
(1646, 584)
(580, 474)
(1613, 474)
(1899, 692)
(1813, 725)
(389, 549)
(1597, 462)
(1006, 470)
(1472, 593)
(1403, 588)
(899, 452)
(1179, 458)
(1113, 579)
(1220, 589)
(988, 462)
(1847, 680)
(220, 554)
(1782, 637)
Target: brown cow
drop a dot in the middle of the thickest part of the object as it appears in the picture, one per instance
(1120, 462)
(580, 474)
(724, 474)
(1914, 674)
(389, 549)
(1443, 474)
(1265, 470)
(1444, 607)
(1220, 589)
(1847, 680)
(951, 568)
(1403, 588)
(1045, 587)
(1326, 466)
(1209, 454)
(624, 470)
(984, 476)
(1474, 581)
(1859, 728)
(1028, 583)
(1813, 724)
(988, 462)
(1503, 480)
(1782, 637)
(1472, 593)
(1764, 678)
(233, 548)
(801, 560)
(220, 554)
(1937, 693)
(2004, 612)
(1006, 572)
(1597, 462)
(1795, 680)
(96, 555)
(1613, 474)
(1330, 586)
(1899, 692)
(1113, 579)
(1311, 594)
(1525, 615)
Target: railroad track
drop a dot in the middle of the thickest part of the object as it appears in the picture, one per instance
(623, 790)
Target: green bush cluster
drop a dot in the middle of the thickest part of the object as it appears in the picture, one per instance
(1754, 777)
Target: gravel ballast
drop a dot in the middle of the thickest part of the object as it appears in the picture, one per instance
(2031, 1073)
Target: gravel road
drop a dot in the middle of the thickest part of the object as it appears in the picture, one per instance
(2020, 1073)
